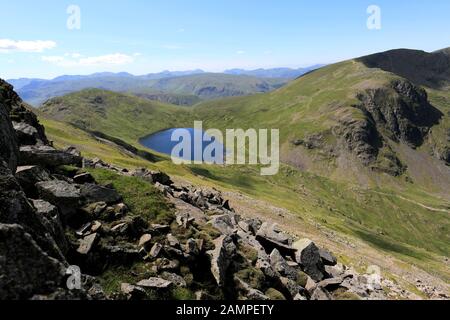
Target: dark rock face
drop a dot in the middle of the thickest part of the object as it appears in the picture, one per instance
(398, 112)
(423, 68)
(62, 194)
(361, 138)
(24, 267)
(402, 110)
(308, 256)
(47, 156)
(8, 140)
(95, 193)
(28, 176)
(49, 216)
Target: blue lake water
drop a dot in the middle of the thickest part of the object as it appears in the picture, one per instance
(162, 142)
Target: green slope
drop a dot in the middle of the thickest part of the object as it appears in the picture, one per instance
(216, 85)
(118, 115)
(392, 192)
(202, 86)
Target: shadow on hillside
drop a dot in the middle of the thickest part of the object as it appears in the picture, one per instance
(389, 245)
(422, 68)
(231, 179)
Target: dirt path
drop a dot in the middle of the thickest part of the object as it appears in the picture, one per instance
(414, 202)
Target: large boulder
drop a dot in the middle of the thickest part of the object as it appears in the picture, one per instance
(154, 283)
(280, 265)
(61, 194)
(153, 176)
(25, 268)
(327, 257)
(224, 223)
(271, 237)
(15, 208)
(47, 156)
(308, 256)
(28, 176)
(221, 257)
(50, 218)
(26, 134)
(96, 193)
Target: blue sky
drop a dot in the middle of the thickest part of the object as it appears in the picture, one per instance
(144, 36)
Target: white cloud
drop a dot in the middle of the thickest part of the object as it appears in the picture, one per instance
(117, 58)
(181, 30)
(240, 52)
(74, 55)
(8, 45)
(77, 60)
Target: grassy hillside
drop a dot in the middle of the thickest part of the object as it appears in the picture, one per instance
(118, 115)
(216, 85)
(203, 85)
(359, 159)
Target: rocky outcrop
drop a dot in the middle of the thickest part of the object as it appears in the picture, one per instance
(391, 113)
(8, 140)
(401, 110)
(25, 268)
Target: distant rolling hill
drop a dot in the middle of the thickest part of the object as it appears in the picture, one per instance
(173, 87)
(216, 85)
(284, 73)
(364, 149)
(352, 116)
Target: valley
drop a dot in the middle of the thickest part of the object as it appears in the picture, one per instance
(362, 173)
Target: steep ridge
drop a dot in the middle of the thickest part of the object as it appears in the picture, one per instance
(423, 68)
(339, 110)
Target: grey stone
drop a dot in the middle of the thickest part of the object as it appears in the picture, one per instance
(308, 257)
(145, 240)
(61, 194)
(87, 243)
(331, 284)
(291, 286)
(272, 232)
(132, 292)
(50, 218)
(47, 156)
(28, 176)
(156, 250)
(96, 193)
(327, 257)
(174, 278)
(25, 268)
(321, 294)
(221, 257)
(27, 134)
(154, 283)
(173, 241)
(192, 247)
(224, 224)
(83, 178)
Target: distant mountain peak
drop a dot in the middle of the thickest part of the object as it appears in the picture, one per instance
(285, 73)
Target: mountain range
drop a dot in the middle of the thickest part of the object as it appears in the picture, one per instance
(165, 86)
